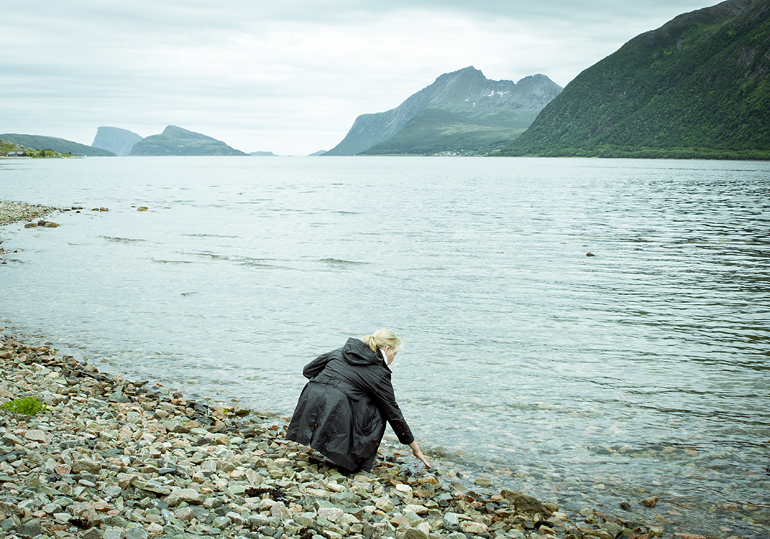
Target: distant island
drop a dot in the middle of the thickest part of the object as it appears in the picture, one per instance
(181, 142)
(698, 87)
(262, 154)
(116, 140)
(461, 111)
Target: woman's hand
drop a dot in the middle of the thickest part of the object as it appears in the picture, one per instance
(418, 453)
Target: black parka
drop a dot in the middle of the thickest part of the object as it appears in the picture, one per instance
(343, 408)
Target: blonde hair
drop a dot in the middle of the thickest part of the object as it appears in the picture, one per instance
(382, 338)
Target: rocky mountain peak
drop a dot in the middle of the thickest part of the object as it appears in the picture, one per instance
(116, 140)
(465, 92)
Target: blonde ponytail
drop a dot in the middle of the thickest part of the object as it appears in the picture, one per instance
(382, 338)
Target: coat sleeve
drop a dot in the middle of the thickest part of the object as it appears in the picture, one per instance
(315, 367)
(385, 397)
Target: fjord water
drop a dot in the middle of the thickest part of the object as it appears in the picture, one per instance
(588, 380)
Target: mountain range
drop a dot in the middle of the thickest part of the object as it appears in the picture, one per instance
(697, 87)
(468, 98)
(112, 141)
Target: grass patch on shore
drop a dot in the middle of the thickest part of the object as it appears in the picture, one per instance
(27, 406)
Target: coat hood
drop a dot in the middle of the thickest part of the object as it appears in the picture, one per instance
(355, 352)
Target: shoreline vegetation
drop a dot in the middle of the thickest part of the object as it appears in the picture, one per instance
(616, 152)
(106, 457)
(12, 150)
(9, 149)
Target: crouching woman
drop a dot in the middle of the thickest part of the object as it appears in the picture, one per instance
(342, 410)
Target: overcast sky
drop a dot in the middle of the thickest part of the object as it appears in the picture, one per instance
(288, 77)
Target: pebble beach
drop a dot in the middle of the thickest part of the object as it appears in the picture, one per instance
(116, 458)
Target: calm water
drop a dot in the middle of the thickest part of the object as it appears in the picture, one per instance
(639, 371)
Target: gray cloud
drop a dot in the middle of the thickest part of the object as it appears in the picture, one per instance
(286, 77)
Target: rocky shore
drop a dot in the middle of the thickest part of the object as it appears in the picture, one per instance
(113, 458)
(12, 212)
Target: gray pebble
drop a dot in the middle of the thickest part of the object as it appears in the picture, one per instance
(114, 533)
(136, 532)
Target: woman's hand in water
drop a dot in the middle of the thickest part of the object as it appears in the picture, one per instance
(418, 453)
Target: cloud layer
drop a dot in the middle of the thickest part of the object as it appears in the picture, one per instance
(284, 77)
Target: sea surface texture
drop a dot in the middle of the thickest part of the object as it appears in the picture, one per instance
(638, 370)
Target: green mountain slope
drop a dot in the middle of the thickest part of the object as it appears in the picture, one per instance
(698, 87)
(40, 142)
(177, 141)
(434, 131)
(10, 149)
(467, 93)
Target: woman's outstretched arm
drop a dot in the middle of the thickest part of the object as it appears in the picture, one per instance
(418, 453)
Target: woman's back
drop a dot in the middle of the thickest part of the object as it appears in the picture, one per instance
(343, 408)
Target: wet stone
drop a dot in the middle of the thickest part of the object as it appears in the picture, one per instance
(8, 524)
(136, 533)
(451, 520)
(414, 533)
(473, 527)
(221, 522)
(31, 529)
(114, 533)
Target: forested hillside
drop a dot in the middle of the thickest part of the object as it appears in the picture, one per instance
(698, 87)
